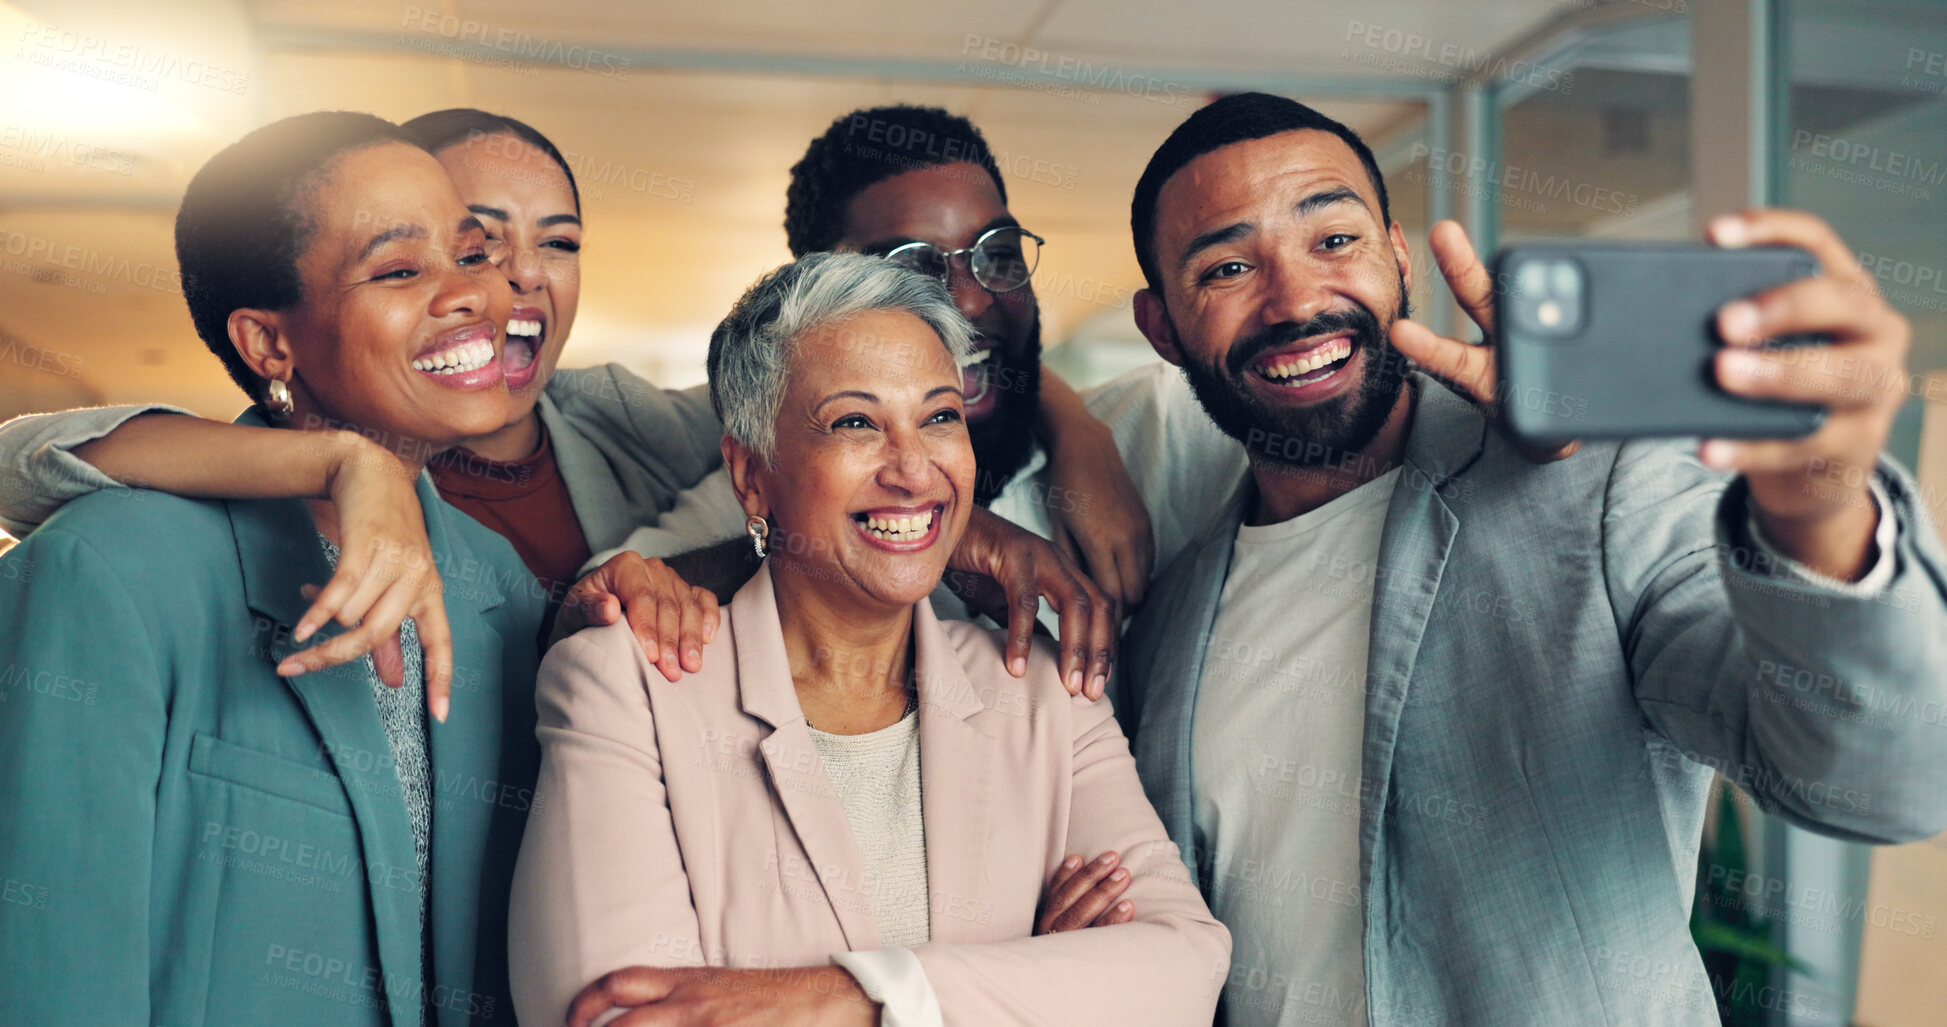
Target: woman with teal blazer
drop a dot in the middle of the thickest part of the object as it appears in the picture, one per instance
(189, 836)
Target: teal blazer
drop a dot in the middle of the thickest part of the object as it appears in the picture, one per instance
(188, 838)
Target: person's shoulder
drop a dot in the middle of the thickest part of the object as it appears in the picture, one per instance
(161, 535)
(605, 664)
(607, 652)
(1144, 392)
(609, 383)
(982, 655)
(122, 557)
(1151, 378)
(123, 509)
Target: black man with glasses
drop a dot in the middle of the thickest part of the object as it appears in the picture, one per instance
(920, 186)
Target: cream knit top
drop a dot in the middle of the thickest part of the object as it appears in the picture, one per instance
(877, 778)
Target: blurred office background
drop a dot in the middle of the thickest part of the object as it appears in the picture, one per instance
(1521, 118)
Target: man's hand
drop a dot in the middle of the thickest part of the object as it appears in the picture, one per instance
(1097, 516)
(1466, 368)
(1085, 896)
(1812, 495)
(1026, 568)
(816, 996)
(385, 574)
(672, 619)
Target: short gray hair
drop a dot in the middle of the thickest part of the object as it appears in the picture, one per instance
(751, 350)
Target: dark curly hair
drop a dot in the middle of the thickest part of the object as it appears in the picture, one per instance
(437, 130)
(866, 147)
(243, 221)
(1231, 119)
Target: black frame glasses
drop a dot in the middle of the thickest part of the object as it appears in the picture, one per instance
(1002, 260)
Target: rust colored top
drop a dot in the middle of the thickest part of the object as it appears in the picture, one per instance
(525, 501)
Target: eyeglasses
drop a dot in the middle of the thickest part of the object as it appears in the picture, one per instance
(1001, 260)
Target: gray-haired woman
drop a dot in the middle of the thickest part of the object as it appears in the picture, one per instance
(857, 797)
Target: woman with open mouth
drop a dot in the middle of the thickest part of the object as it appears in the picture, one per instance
(227, 845)
(856, 797)
(586, 455)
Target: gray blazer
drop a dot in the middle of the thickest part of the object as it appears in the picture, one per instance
(626, 450)
(1560, 656)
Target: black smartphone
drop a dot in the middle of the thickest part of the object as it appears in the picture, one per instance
(1606, 340)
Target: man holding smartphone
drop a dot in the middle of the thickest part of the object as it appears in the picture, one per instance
(1435, 722)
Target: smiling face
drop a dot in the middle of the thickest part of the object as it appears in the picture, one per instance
(871, 482)
(1279, 283)
(523, 198)
(399, 326)
(951, 206)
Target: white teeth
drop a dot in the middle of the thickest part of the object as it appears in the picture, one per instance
(469, 356)
(899, 529)
(1296, 366)
(520, 326)
(980, 356)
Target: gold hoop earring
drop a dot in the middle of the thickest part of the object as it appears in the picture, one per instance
(759, 531)
(277, 400)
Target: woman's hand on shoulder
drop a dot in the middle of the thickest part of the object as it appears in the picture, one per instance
(385, 574)
(672, 619)
(818, 996)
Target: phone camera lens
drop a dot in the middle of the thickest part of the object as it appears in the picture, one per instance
(1548, 298)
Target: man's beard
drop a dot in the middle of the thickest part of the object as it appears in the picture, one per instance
(1003, 442)
(1327, 432)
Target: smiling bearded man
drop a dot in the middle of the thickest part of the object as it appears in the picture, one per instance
(1434, 724)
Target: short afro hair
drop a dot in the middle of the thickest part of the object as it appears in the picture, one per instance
(864, 148)
(242, 224)
(1236, 118)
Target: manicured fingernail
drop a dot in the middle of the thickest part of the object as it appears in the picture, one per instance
(1730, 231)
(440, 706)
(1124, 906)
(1105, 859)
(291, 667)
(1071, 862)
(1098, 683)
(1739, 321)
(693, 655)
(1074, 682)
(1714, 453)
(1120, 873)
(303, 632)
(1017, 665)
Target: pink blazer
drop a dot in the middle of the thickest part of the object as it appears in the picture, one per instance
(692, 824)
